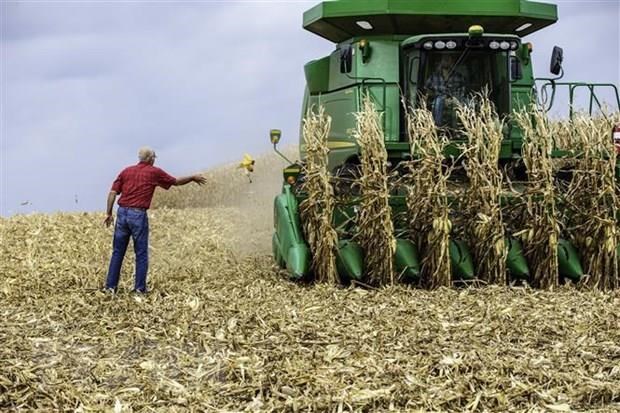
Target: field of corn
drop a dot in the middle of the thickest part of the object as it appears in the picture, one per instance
(223, 329)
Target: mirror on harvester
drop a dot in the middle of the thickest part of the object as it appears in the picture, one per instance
(274, 136)
(346, 59)
(516, 70)
(556, 60)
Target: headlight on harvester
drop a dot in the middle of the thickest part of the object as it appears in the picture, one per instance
(291, 174)
(504, 45)
(440, 45)
(274, 136)
(428, 45)
(451, 45)
(364, 46)
(494, 45)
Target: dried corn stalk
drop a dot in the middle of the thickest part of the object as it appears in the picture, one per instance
(540, 227)
(376, 229)
(427, 198)
(484, 227)
(562, 134)
(592, 202)
(318, 208)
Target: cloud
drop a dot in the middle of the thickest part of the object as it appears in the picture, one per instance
(86, 84)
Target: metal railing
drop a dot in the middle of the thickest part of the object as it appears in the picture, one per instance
(546, 100)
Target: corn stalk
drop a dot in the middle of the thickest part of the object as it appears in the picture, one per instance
(592, 202)
(318, 208)
(540, 227)
(484, 227)
(427, 199)
(375, 226)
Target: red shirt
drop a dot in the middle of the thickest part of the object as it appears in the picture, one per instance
(137, 183)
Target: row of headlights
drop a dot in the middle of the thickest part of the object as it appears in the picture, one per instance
(504, 45)
(494, 45)
(440, 45)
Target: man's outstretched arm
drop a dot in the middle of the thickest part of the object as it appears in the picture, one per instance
(111, 198)
(199, 179)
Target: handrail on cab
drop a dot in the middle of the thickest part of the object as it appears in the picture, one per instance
(572, 86)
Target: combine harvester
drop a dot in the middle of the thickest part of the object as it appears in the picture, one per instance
(389, 49)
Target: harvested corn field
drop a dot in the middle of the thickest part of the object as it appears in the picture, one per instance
(224, 331)
(436, 243)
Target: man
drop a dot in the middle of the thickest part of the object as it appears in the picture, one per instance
(136, 185)
(446, 86)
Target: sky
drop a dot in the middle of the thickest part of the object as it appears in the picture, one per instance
(84, 84)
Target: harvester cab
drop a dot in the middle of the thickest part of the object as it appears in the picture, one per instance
(434, 55)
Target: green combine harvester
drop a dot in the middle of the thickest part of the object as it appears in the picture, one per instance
(391, 49)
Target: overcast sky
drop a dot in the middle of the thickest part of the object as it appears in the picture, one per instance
(84, 84)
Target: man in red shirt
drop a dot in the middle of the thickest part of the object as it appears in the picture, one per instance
(136, 185)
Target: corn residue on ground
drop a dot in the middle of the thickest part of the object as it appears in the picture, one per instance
(224, 332)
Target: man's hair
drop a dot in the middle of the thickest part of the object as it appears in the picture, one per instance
(145, 154)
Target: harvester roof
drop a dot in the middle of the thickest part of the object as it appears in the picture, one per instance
(343, 19)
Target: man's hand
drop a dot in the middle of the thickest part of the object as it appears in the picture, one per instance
(109, 219)
(199, 179)
(110, 204)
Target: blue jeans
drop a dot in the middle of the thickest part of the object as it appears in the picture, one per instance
(132, 223)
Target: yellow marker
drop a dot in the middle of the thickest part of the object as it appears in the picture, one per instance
(247, 164)
(476, 30)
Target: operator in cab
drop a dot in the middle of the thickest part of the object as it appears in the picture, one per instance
(445, 88)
